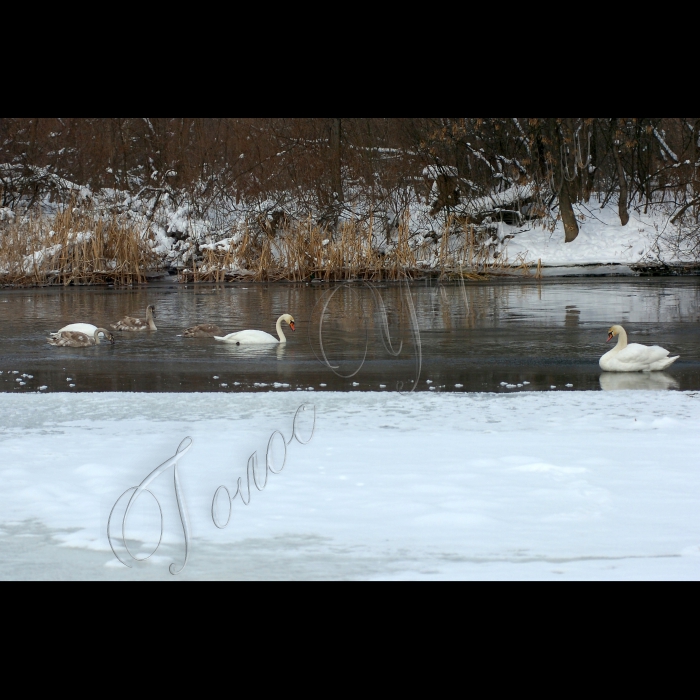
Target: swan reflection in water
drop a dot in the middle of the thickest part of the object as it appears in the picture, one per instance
(650, 381)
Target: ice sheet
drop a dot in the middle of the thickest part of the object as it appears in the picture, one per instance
(546, 485)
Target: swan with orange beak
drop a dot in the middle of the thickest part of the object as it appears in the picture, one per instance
(259, 337)
(633, 357)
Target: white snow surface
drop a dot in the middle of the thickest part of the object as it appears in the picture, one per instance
(602, 240)
(570, 485)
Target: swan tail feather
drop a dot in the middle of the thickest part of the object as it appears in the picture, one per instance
(663, 364)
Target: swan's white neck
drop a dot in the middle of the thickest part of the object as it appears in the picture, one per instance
(621, 340)
(280, 332)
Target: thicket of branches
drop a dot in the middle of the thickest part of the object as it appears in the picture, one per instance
(326, 163)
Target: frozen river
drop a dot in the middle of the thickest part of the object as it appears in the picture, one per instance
(493, 469)
(481, 336)
(577, 485)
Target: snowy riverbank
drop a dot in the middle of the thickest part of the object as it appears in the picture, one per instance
(86, 244)
(596, 485)
(647, 240)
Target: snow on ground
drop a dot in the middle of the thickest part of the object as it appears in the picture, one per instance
(601, 240)
(578, 485)
(178, 229)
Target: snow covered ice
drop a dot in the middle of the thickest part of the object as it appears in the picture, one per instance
(562, 485)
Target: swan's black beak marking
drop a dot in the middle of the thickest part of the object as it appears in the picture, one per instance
(610, 337)
(291, 325)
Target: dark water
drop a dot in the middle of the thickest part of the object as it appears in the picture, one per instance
(547, 333)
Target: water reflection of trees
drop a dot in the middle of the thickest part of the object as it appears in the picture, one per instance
(454, 306)
(439, 306)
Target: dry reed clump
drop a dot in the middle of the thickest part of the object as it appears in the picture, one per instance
(82, 246)
(76, 246)
(306, 250)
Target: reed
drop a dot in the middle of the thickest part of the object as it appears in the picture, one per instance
(83, 246)
(77, 246)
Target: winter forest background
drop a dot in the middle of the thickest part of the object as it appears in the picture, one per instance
(92, 200)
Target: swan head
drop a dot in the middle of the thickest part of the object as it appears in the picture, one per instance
(152, 309)
(290, 320)
(613, 331)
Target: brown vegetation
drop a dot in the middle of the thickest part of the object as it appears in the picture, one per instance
(77, 247)
(321, 162)
(74, 247)
(306, 251)
(299, 182)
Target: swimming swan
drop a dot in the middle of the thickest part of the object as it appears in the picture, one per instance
(633, 357)
(87, 328)
(76, 339)
(259, 337)
(204, 330)
(128, 323)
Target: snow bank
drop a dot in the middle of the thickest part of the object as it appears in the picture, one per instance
(602, 240)
(543, 486)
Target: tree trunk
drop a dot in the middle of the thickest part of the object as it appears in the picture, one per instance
(694, 155)
(624, 214)
(589, 176)
(567, 213)
(336, 159)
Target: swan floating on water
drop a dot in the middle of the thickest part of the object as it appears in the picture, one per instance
(128, 323)
(259, 337)
(204, 330)
(633, 357)
(76, 339)
(87, 328)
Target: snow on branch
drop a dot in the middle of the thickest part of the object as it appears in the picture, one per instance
(38, 174)
(500, 200)
(665, 146)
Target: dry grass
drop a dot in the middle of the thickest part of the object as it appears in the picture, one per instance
(306, 250)
(74, 247)
(79, 246)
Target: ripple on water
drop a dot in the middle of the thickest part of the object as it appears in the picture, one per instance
(483, 336)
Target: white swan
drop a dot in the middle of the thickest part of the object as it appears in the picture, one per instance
(259, 337)
(87, 328)
(633, 357)
(76, 339)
